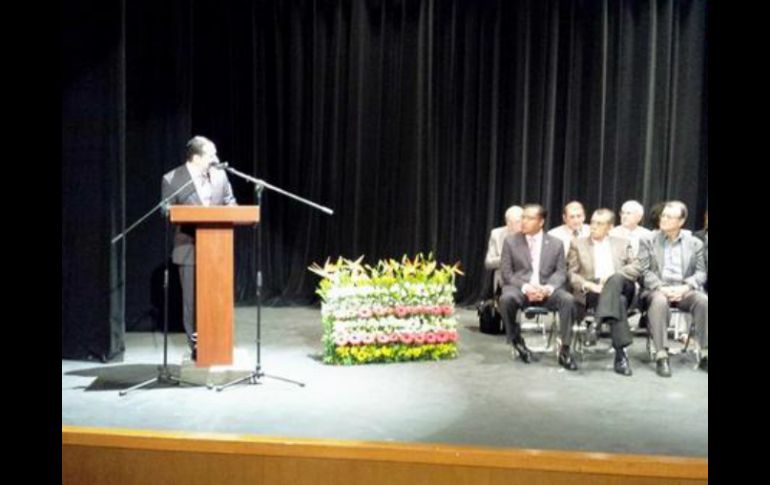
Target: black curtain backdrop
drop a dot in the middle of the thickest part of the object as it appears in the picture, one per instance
(418, 122)
(93, 110)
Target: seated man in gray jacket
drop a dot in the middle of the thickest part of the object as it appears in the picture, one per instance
(674, 271)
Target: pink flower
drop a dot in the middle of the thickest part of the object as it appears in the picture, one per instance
(354, 339)
(393, 338)
(453, 336)
(401, 311)
(368, 338)
(430, 338)
(383, 339)
(448, 310)
(442, 336)
(419, 338)
(365, 313)
(341, 340)
(406, 338)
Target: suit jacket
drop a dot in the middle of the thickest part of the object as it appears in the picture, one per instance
(184, 235)
(703, 235)
(494, 252)
(566, 236)
(516, 262)
(634, 236)
(581, 263)
(651, 256)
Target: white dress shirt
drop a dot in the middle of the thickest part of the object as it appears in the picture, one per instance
(603, 267)
(202, 181)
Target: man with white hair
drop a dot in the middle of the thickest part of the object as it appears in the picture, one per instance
(631, 213)
(574, 216)
(496, 238)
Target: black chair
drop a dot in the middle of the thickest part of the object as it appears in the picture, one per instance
(537, 313)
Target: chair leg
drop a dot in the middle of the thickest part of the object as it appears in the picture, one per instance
(578, 336)
(548, 335)
(696, 347)
(556, 341)
(651, 351)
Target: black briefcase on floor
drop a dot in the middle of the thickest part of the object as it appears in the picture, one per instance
(490, 320)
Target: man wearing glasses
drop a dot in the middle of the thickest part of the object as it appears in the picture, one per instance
(674, 271)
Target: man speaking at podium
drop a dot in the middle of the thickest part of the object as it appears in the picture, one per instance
(210, 187)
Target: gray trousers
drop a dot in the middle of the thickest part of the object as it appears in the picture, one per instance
(187, 278)
(658, 314)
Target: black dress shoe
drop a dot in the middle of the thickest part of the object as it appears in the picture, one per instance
(195, 353)
(566, 360)
(622, 366)
(704, 364)
(662, 367)
(524, 353)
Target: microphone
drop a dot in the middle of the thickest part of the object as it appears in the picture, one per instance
(217, 164)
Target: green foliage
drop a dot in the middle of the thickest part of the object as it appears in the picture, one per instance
(386, 273)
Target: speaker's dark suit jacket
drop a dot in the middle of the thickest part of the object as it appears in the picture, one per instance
(184, 236)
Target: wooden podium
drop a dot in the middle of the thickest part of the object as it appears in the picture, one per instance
(214, 295)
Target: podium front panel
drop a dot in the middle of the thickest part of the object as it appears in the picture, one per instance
(214, 294)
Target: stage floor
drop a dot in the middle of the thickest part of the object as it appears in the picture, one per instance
(483, 397)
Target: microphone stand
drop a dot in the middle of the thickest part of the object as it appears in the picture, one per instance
(164, 374)
(259, 185)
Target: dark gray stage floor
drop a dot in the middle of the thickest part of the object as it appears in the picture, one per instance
(481, 398)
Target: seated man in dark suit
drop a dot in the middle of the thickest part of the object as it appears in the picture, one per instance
(602, 271)
(534, 272)
(674, 271)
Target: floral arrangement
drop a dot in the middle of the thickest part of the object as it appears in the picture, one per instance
(391, 312)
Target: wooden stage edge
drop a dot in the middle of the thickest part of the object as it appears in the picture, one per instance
(82, 439)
